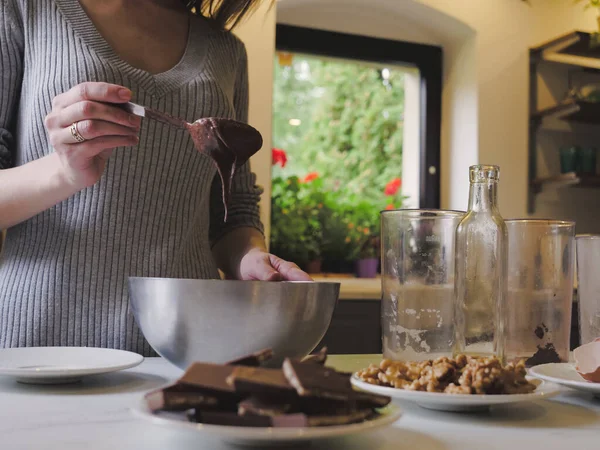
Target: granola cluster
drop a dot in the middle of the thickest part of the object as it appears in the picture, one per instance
(460, 375)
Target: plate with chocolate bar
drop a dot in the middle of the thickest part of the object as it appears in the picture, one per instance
(242, 402)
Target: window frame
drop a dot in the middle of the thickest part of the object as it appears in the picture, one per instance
(428, 59)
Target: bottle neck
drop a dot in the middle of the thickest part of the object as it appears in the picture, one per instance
(483, 196)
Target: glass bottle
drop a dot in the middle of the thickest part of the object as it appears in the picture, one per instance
(481, 266)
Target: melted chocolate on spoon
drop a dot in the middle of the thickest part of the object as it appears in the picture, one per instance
(229, 143)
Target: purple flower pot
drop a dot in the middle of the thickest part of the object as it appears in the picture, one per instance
(367, 268)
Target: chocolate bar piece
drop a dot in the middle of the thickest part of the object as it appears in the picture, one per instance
(254, 380)
(367, 400)
(179, 397)
(264, 406)
(254, 360)
(313, 380)
(208, 377)
(232, 419)
(339, 419)
(272, 405)
(318, 358)
(281, 421)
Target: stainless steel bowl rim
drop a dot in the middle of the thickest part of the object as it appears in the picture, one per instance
(333, 283)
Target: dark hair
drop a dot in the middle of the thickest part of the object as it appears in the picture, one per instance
(225, 13)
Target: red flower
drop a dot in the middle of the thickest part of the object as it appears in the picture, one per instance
(392, 187)
(279, 157)
(310, 177)
(389, 207)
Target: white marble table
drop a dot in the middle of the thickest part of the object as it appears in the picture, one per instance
(95, 415)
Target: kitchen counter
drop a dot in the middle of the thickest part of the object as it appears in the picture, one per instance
(354, 288)
(95, 415)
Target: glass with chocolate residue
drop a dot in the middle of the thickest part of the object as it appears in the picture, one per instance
(417, 267)
(588, 287)
(541, 264)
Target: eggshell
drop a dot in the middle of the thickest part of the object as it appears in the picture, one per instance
(587, 361)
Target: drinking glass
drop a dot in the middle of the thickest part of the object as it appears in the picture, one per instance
(541, 265)
(588, 286)
(417, 273)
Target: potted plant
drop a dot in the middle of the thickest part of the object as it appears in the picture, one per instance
(363, 233)
(335, 246)
(296, 232)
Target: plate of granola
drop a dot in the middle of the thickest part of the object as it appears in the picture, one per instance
(461, 384)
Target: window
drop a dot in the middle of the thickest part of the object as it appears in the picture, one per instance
(356, 129)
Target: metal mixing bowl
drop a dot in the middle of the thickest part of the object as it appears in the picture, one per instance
(217, 320)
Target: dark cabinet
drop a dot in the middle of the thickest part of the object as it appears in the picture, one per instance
(355, 328)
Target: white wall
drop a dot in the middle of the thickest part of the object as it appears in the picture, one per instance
(485, 100)
(258, 34)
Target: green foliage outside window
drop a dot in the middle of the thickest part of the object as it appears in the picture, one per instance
(338, 130)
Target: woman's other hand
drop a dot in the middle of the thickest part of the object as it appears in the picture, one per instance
(84, 129)
(260, 265)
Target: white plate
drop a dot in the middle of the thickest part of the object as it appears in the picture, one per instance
(57, 365)
(565, 375)
(459, 402)
(263, 437)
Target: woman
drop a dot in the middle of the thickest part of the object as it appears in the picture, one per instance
(91, 194)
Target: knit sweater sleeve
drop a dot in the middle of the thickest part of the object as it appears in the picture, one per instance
(11, 75)
(243, 207)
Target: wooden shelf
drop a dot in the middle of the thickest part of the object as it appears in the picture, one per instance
(573, 49)
(570, 179)
(578, 50)
(572, 110)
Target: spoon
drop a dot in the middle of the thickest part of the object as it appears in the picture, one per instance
(227, 142)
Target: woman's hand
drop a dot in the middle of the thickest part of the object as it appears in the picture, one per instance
(257, 264)
(102, 127)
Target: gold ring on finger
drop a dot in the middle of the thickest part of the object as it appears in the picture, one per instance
(75, 133)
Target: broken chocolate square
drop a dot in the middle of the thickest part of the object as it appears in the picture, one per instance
(235, 420)
(318, 358)
(254, 380)
(253, 360)
(179, 397)
(339, 419)
(313, 380)
(209, 377)
(264, 406)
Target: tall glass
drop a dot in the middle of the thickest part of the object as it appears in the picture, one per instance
(588, 286)
(481, 254)
(540, 290)
(417, 268)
